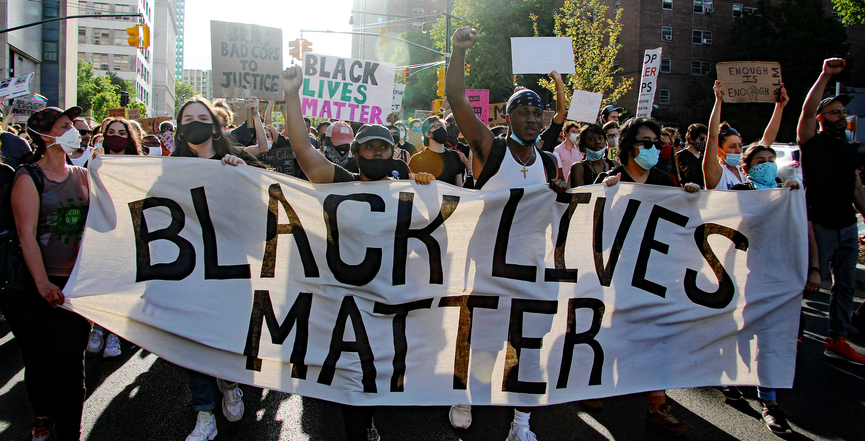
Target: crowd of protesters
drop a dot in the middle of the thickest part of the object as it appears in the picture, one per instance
(44, 162)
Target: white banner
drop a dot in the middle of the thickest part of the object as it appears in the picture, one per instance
(542, 55)
(396, 293)
(347, 89)
(649, 82)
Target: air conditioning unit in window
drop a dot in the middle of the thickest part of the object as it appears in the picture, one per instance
(710, 11)
(707, 41)
(668, 37)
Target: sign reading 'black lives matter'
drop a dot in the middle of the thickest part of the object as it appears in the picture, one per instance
(247, 61)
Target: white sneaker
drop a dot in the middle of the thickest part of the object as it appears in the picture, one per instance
(94, 344)
(460, 416)
(520, 433)
(232, 400)
(205, 428)
(112, 346)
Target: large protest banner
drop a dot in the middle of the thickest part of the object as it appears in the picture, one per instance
(247, 60)
(750, 81)
(346, 88)
(396, 293)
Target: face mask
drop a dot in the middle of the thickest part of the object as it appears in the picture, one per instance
(647, 157)
(573, 137)
(613, 142)
(69, 141)
(520, 142)
(700, 146)
(415, 129)
(375, 169)
(98, 145)
(763, 175)
(195, 132)
(592, 155)
(453, 133)
(440, 135)
(395, 137)
(269, 145)
(115, 143)
(733, 159)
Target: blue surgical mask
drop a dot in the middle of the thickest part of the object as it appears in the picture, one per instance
(763, 175)
(592, 155)
(733, 159)
(647, 158)
(520, 142)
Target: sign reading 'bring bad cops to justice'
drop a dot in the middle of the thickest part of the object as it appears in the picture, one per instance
(247, 61)
(346, 88)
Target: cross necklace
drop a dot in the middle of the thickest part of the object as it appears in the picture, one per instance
(515, 155)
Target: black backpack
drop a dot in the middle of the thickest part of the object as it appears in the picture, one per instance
(497, 155)
(13, 270)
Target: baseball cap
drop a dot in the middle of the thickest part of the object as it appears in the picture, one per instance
(340, 133)
(42, 120)
(166, 125)
(843, 99)
(611, 108)
(374, 131)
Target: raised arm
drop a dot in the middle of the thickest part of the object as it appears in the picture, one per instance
(477, 134)
(807, 127)
(772, 129)
(711, 168)
(268, 113)
(316, 167)
(561, 99)
(260, 137)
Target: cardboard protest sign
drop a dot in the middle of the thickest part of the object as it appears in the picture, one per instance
(151, 125)
(16, 86)
(750, 81)
(584, 106)
(649, 82)
(24, 107)
(512, 296)
(281, 159)
(398, 93)
(119, 112)
(133, 113)
(497, 114)
(247, 60)
(480, 101)
(542, 55)
(346, 88)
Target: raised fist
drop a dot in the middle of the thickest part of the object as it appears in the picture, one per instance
(465, 37)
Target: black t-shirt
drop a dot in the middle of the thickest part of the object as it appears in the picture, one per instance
(342, 175)
(550, 136)
(656, 177)
(408, 147)
(7, 178)
(829, 170)
(444, 166)
(13, 148)
(690, 168)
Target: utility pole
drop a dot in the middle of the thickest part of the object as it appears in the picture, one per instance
(448, 33)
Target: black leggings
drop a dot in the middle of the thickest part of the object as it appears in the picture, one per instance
(52, 342)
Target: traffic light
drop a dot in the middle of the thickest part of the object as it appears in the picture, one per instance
(305, 46)
(139, 36)
(515, 81)
(437, 106)
(440, 83)
(468, 69)
(294, 49)
(405, 76)
(383, 40)
(145, 36)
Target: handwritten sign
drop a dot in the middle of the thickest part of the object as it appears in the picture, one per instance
(247, 60)
(750, 81)
(480, 100)
(16, 86)
(585, 106)
(117, 113)
(497, 114)
(24, 107)
(346, 88)
(649, 82)
(398, 93)
(151, 125)
(134, 113)
(542, 55)
(281, 159)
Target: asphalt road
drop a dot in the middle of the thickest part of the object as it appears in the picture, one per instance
(139, 396)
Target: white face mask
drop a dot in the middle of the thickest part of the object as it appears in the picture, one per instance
(269, 145)
(613, 142)
(69, 141)
(98, 145)
(573, 136)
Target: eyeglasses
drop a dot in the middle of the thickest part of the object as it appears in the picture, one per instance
(83, 132)
(434, 127)
(838, 112)
(649, 144)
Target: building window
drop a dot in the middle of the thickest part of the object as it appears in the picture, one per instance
(121, 62)
(667, 4)
(615, 65)
(665, 65)
(49, 51)
(618, 5)
(666, 33)
(664, 96)
(100, 36)
(100, 61)
(417, 11)
(700, 67)
(123, 9)
(101, 8)
(82, 35)
(701, 37)
(121, 38)
(737, 10)
(417, 26)
(704, 7)
(82, 56)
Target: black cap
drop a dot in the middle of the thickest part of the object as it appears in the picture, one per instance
(609, 109)
(43, 120)
(843, 99)
(373, 131)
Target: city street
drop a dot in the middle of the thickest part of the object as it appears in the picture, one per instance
(139, 396)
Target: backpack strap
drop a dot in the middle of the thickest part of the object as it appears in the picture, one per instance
(493, 162)
(549, 164)
(36, 174)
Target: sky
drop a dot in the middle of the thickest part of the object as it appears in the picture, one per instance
(290, 15)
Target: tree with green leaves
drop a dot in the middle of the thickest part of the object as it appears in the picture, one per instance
(98, 94)
(595, 40)
(851, 11)
(420, 89)
(182, 92)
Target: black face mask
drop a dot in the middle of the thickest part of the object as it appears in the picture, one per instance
(195, 132)
(453, 134)
(375, 169)
(440, 135)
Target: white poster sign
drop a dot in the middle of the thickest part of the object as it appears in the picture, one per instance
(346, 88)
(584, 106)
(394, 293)
(16, 86)
(649, 82)
(398, 93)
(542, 55)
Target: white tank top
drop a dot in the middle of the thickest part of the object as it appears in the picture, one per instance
(510, 174)
(728, 179)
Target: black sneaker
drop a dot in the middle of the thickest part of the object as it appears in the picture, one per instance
(776, 421)
(732, 394)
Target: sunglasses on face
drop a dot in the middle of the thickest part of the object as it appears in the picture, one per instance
(84, 132)
(838, 112)
(649, 144)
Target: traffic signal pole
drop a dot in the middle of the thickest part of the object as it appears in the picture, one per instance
(3, 31)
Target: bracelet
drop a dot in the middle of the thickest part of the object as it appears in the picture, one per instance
(815, 268)
(560, 91)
